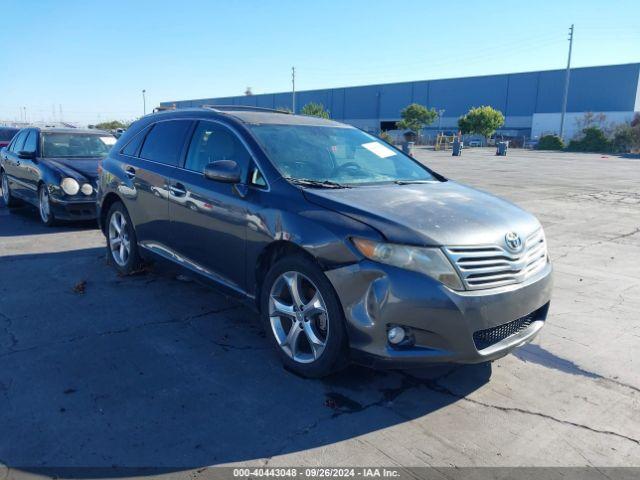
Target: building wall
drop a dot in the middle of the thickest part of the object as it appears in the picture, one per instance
(526, 99)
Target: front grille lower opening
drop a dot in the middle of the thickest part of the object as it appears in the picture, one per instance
(490, 336)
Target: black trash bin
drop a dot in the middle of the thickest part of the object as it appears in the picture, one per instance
(501, 149)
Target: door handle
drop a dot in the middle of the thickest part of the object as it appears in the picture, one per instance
(177, 190)
(130, 172)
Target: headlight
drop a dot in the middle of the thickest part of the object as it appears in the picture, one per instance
(70, 186)
(429, 261)
(87, 189)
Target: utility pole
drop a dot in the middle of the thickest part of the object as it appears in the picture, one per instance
(293, 89)
(566, 84)
(144, 102)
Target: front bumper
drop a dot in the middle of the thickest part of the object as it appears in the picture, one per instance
(441, 322)
(74, 209)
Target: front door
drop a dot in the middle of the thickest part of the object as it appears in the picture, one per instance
(208, 218)
(27, 172)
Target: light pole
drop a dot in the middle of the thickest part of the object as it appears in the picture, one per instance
(293, 89)
(440, 113)
(566, 84)
(144, 102)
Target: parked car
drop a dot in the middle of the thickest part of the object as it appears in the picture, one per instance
(347, 247)
(6, 134)
(55, 169)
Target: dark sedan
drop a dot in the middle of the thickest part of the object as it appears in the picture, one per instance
(55, 169)
(6, 134)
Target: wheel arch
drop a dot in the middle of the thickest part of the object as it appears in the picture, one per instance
(108, 201)
(271, 254)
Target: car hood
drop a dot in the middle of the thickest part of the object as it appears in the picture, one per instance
(78, 168)
(437, 213)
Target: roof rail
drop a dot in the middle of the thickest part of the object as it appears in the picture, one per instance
(226, 108)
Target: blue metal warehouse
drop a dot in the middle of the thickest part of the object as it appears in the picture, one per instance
(530, 101)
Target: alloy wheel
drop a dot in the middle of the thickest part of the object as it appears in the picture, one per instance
(44, 205)
(5, 189)
(298, 317)
(119, 242)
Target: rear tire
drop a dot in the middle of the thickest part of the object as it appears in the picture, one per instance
(9, 200)
(303, 318)
(122, 243)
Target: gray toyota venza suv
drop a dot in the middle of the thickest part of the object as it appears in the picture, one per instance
(348, 248)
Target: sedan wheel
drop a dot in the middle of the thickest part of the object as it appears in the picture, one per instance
(9, 200)
(5, 188)
(44, 206)
(119, 241)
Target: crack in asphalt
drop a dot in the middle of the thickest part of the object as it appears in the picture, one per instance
(186, 321)
(599, 242)
(7, 328)
(435, 386)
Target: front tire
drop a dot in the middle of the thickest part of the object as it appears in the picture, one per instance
(9, 200)
(122, 244)
(303, 317)
(44, 206)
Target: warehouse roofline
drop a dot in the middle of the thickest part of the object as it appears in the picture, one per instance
(470, 77)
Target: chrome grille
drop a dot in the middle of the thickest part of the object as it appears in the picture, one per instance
(489, 266)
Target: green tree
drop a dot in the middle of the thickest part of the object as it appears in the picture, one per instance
(112, 125)
(415, 117)
(481, 121)
(593, 140)
(626, 137)
(314, 110)
(550, 142)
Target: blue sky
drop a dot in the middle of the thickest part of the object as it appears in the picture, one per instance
(95, 57)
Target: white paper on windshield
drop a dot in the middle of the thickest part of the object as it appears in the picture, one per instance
(108, 140)
(379, 149)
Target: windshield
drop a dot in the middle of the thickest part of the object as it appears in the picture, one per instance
(72, 145)
(335, 155)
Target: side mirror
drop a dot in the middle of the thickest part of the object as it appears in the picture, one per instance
(226, 171)
(25, 155)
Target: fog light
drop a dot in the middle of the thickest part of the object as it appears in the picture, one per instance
(86, 189)
(396, 335)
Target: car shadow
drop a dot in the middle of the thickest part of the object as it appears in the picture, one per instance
(103, 376)
(26, 221)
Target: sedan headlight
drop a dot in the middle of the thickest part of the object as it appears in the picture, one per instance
(70, 186)
(429, 261)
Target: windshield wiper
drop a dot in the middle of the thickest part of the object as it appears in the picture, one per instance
(306, 182)
(409, 182)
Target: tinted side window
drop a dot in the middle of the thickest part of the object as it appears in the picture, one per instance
(211, 142)
(30, 143)
(165, 141)
(18, 142)
(133, 146)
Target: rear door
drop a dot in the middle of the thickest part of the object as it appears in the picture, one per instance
(149, 167)
(208, 218)
(11, 163)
